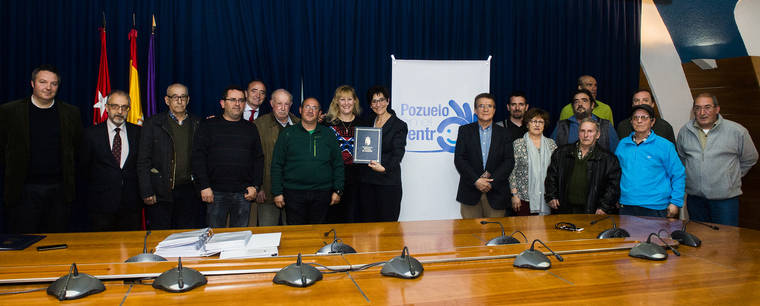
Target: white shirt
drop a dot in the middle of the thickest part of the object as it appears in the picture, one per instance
(247, 112)
(124, 140)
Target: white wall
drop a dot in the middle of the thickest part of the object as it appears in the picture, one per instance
(746, 14)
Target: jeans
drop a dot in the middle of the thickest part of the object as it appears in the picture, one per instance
(716, 211)
(633, 210)
(233, 204)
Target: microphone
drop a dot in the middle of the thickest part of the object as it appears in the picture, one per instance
(614, 232)
(298, 274)
(686, 238)
(145, 256)
(403, 266)
(336, 247)
(503, 239)
(533, 259)
(179, 279)
(650, 251)
(75, 285)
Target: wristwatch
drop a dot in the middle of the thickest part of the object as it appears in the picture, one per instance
(339, 192)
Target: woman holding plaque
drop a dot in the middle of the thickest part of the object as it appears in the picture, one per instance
(533, 154)
(342, 117)
(380, 189)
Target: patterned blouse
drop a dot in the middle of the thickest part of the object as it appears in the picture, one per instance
(519, 177)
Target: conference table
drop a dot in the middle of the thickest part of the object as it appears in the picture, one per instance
(458, 266)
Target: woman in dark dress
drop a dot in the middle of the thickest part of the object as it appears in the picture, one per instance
(380, 189)
(342, 117)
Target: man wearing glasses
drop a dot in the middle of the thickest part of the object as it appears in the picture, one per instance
(307, 168)
(39, 137)
(583, 104)
(717, 153)
(484, 159)
(228, 162)
(108, 159)
(163, 165)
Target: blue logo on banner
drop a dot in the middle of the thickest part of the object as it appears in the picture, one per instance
(449, 127)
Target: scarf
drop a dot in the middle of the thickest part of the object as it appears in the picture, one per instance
(538, 162)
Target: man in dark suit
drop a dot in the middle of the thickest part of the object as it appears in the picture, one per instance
(38, 143)
(108, 158)
(484, 159)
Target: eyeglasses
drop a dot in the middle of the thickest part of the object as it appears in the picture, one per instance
(381, 100)
(117, 107)
(644, 117)
(536, 122)
(176, 98)
(706, 108)
(311, 107)
(233, 100)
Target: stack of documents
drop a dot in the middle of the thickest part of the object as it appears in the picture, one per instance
(260, 245)
(242, 244)
(185, 244)
(228, 241)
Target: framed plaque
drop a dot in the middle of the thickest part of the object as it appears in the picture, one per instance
(367, 145)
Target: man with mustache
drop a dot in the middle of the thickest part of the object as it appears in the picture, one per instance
(601, 110)
(566, 130)
(228, 162)
(108, 160)
(39, 137)
(517, 107)
(717, 153)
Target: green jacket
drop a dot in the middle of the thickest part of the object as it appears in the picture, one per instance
(269, 130)
(14, 147)
(304, 161)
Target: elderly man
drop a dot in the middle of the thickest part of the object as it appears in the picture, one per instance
(39, 137)
(717, 153)
(661, 127)
(653, 177)
(601, 110)
(583, 178)
(270, 126)
(109, 158)
(163, 165)
(307, 168)
(484, 159)
(566, 130)
(517, 107)
(255, 95)
(228, 163)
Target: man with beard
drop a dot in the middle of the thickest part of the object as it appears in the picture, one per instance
(514, 123)
(566, 130)
(601, 110)
(108, 159)
(228, 162)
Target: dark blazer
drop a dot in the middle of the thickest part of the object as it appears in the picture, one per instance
(157, 152)
(14, 146)
(109, 187)
(392, 151)
(469, 163)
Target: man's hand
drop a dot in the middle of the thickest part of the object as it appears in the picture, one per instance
(483, 184)
(279, 201)
(599, 211)
(515, 203)
(672, 211)
(250, 193)
(207, 195)
(150, 200)
(554, 203)
(335, 199)
(261, 196)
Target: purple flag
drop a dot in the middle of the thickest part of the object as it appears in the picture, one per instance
(151, 102)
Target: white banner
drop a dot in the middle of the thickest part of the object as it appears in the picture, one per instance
(434, 98)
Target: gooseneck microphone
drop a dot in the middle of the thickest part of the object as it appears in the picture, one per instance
(494, 222)
(705, 224)
(602, 219)
(533, 259)
(689, 239)
(503, 239)
(336, 246)
(614, 232)
(145, 256)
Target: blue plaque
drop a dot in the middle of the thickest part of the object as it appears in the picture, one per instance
(368, 144)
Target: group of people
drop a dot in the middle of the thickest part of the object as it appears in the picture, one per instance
(240, 168)
(588, 167)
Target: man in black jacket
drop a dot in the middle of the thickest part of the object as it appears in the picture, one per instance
(484, 159)
(39, 137)
(163, 165)
(108, 158)
(583, 178)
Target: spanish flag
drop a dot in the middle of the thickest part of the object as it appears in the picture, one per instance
(135, 115)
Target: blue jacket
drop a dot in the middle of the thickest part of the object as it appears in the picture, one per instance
(653, 175)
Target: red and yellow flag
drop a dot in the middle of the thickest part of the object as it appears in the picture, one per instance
(135, 115)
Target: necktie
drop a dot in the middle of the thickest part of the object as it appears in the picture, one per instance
(253, 112)
(116, 149)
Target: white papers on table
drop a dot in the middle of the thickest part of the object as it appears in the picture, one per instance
(184, 238)
(260, 245)
(228, 241)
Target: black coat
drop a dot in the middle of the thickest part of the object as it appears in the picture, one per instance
(469, 163)
(108, 186)
(157, 152)
(603, 173)
(14, 147)
(394, 131)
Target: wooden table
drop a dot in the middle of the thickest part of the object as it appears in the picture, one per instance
(458, 267)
